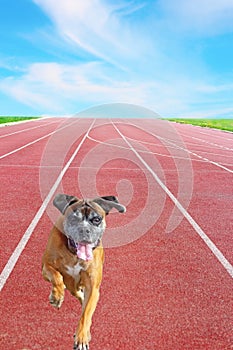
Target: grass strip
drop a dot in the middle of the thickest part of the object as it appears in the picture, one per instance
(222, 124)
(4, 119)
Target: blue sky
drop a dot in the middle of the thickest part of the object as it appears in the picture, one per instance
(172, 56)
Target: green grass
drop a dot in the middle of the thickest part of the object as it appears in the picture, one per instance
(223, 124)
(14, 119)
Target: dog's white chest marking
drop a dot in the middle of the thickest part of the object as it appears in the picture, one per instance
(74, 271)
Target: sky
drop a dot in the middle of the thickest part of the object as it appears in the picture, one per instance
(174, 57)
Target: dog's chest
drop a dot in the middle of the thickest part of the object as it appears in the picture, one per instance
(74, 271)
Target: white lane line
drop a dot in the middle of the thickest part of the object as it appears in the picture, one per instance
(222, 136)
(218, 254)
(143, 151)
(201, 160)
(173, 147)
(31, 143)
(208, 142)
(23, 130)
(184, 149)
(22, 243)
(197, 155)
(24, 146)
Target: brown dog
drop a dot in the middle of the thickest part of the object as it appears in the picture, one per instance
(74, 256)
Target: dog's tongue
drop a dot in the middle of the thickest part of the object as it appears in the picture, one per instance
(84, 251)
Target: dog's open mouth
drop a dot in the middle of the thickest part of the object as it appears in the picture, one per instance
(83, 251)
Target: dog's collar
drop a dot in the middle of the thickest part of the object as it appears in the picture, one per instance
(73, 247)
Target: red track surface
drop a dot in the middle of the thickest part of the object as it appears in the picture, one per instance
(161, 290)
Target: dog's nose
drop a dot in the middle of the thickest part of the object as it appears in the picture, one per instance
(85, 231)
(85, 234)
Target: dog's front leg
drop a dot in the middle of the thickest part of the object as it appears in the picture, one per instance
(57, 294)
(83, 336)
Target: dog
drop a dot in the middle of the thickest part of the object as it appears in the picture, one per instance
(74, 256)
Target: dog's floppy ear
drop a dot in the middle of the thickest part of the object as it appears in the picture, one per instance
(107, 203)
(63, 201)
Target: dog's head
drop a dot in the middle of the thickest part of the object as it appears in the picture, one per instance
(84, 220)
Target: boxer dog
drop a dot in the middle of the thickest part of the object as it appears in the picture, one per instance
(74, 256)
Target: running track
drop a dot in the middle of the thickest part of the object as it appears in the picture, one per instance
(168, 269)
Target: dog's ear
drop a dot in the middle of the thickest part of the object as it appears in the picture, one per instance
(63, 201)
(107, 203)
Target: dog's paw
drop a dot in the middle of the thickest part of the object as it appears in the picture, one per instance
(81, 347)
(80, 344)
(55, 302)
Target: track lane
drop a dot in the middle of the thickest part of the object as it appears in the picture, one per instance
(218, 254)
(22, 243)
(13, 143)
(164, 295)
(205, 201)
(212, 143)
(21, 197)
(195, 149)
(6, 127)
(11, 133)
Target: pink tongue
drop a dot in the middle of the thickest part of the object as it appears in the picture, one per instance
(84, 251)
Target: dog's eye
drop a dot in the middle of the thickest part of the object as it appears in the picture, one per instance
(96, 220)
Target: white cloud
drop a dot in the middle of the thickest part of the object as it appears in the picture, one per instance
(206, 17)
(126, 61)
(54, 86)
(62, 88)
(21, 91)
(95, 26)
